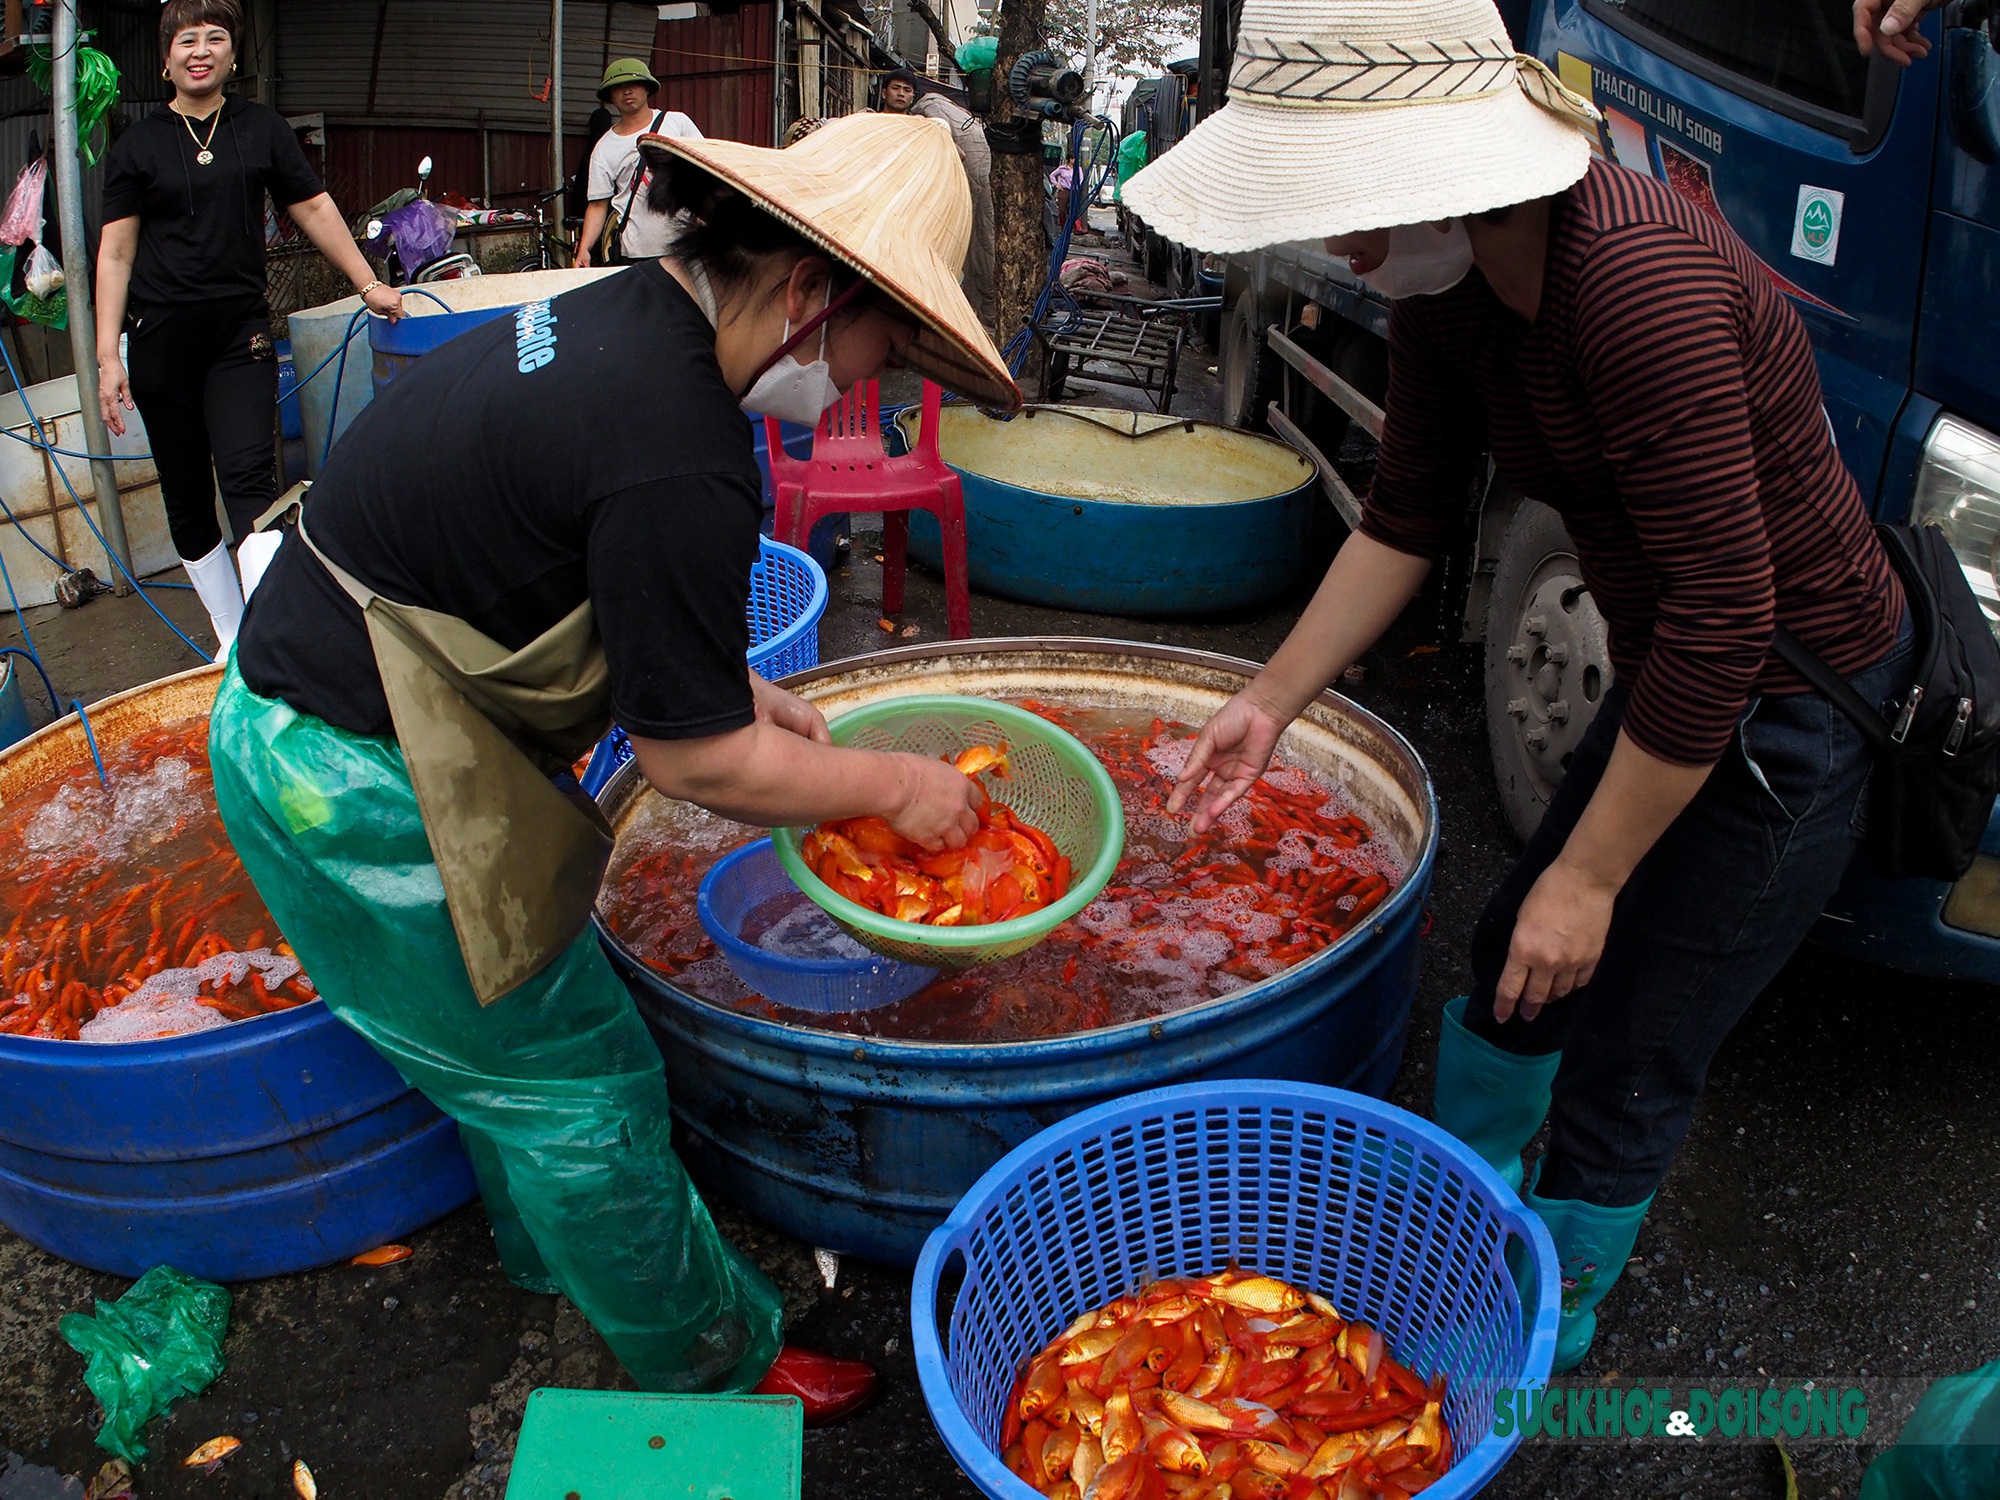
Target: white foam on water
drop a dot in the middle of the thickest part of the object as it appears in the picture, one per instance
(166, 1004)
(143, 1017)
(137, 811)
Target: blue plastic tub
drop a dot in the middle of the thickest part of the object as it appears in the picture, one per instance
(863, 1144)
(397, 345)
(14, 721)
(788, 596)
(267, 1146)
(256, 1149)
(1398, 1223)
(290, 419)
(1223, 524)
(745, 879)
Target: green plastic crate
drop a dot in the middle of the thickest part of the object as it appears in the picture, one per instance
(626, 1445)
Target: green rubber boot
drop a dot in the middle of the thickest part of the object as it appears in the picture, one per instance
(1592, 1246)
(1490, 1099)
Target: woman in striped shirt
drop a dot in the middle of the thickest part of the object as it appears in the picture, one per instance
(1625, 359)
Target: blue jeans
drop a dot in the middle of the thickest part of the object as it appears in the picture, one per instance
(1708, 918)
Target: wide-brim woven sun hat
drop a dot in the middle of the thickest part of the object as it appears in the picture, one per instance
(1346, 115)
(887, 195)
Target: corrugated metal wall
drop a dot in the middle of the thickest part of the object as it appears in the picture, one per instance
(452, 79)
(717, 69)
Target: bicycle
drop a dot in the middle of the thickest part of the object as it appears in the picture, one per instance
(552, 252)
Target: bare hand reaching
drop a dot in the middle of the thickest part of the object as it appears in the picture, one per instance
(114, 393)
(939, 807)
(1890, 27)
(1229, 755)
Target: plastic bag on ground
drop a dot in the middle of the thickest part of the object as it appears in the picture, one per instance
(159, 1342)
(22, 218)
(557, 1086)
(1950, 1447)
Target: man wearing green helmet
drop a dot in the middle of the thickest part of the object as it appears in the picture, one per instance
(617, 177)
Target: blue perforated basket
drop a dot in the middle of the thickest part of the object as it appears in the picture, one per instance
(1400, 1224)
(787, 597)
(746, 878)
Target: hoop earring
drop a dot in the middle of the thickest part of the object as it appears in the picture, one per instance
(165, 74)
(232, 70)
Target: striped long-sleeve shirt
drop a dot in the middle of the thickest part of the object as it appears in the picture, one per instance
(1665, 402)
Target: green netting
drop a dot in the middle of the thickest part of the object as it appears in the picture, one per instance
(1053, 782)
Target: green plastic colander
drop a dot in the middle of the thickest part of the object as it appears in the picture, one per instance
(1053, 782)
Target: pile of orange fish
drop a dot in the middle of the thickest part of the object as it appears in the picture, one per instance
(1227, 1387)
(1008, 868)
(85, 931)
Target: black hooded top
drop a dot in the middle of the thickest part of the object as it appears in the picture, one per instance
(201, 227)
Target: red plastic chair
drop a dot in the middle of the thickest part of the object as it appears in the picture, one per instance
(851, 471)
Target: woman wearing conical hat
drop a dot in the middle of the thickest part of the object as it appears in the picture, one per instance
(1625, 359)
(547, 525)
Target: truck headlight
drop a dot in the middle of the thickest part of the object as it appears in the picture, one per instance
(1958, 489)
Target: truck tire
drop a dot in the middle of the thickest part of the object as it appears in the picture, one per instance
(1548, 662)
(1250, 374)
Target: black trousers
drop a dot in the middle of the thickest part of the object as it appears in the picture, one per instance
(205, 378)
(1708, 918)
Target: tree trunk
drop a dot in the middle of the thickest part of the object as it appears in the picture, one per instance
(1021, 259)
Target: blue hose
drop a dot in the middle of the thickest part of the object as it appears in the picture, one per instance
(90, 735)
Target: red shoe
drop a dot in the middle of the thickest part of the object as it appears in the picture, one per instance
(830, 1388)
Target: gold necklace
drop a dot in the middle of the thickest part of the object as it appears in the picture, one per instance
(202, 154)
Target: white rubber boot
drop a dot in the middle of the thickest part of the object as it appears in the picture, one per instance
(214, 580)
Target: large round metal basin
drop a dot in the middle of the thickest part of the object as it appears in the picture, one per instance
(267, 1146)
(864, 1145)
(1121, 512)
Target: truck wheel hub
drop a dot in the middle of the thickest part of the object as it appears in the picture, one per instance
(1558, 666)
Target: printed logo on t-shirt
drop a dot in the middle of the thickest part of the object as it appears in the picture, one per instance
(534, 337)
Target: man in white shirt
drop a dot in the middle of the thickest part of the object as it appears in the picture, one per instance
(968, 133)
(617, 176)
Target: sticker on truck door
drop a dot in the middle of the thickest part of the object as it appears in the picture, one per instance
(1816, 227)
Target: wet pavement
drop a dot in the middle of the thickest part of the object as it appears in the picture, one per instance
(1825, 1220)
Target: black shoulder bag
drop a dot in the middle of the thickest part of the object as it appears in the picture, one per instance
(1938, 761)
(615, 222)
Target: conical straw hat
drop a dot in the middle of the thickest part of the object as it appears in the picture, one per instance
(1361, 114)
(887, 195)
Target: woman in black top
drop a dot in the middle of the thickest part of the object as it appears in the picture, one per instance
(181, 269)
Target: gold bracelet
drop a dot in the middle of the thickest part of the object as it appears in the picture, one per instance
(368, 288)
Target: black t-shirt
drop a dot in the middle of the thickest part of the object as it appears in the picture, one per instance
(201, 228)
(584, 448)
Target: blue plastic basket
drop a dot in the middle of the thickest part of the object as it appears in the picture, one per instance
(1400, 1224)
(746, 878)
(787, 597)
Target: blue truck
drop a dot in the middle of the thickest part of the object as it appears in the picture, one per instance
(1872, 195)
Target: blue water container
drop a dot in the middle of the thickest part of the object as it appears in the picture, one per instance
(14, 721)
(1174, 547)
(864, 1144)
(397, 345)
(255, 1149)
(289, 415)
(262, 1147)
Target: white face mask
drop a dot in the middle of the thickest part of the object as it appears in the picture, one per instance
(788, 390)
(1422, 262)
(793, 392)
